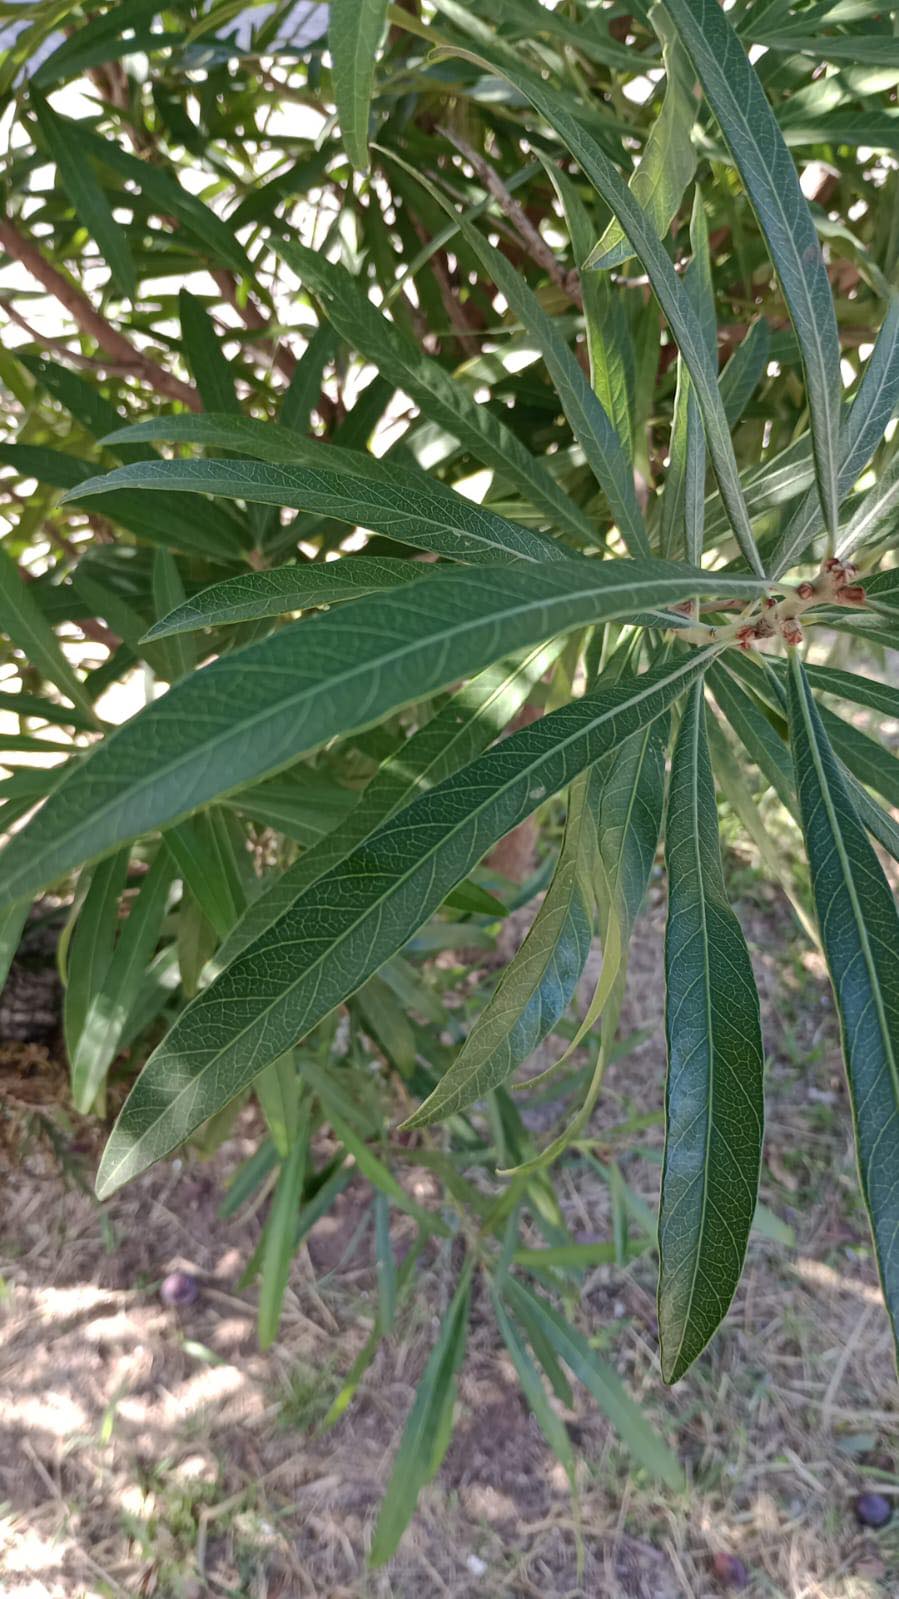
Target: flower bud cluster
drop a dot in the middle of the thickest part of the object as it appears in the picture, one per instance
(781, 618)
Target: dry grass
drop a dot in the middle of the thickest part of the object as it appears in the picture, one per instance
(149, 1451)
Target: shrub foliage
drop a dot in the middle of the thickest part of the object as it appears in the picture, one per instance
(379, 378)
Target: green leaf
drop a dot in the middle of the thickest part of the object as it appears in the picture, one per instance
(90, 942)
(209, 530)
(589, 423)
(356, 488)
(683, 503)
(852, 686)
(860, 932)
(203, 854)
(258, 709)
(536, 986)
(869, 759)
(22, 621)
(875, 508)
(354, 34)
(113, 1000)
(305, 388)
(882, 592)
(714, 1102)
(448, 403)
(872, 407)
(470, 720)
(162, 191)
(352, 920)
(12, 922)
(211, 371)
(744, 370)
(288, 588)
(670, 293)
(280, 1238)
(550, 1424)
(766, 167)
(168, 595)
(609, 343)
(427, 1432)
(602, 1381)
(88, 200)
(668, 162)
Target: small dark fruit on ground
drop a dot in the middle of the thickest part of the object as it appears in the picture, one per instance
(729, 1571)
(178, 1289)
(873, 1510)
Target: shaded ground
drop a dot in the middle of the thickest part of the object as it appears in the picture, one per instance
(150, 1451)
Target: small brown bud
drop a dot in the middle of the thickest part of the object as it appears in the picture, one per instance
(764, 628)
(769, 602)
(746, 635)
(791, 632)
(851, 595)
(806, 591)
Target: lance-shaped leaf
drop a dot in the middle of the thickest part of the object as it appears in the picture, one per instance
(863, 426)
(766, 167)
(536, 986)
(590, 424)
(684, 499)
(355, 488)
(348, 309)
(668, 161)
(354, 33)
(258, 709)
(113, 1000)
(609, 344)
(543, 1322)
(254, 595)
(875, 509)
(672, 296)
(714, 1107)
(428, 1429)
(882, 592)
(23, 621)
(205, 357)
(745, 370)
(860, 932)
(90, 203)
(471, 719)
(89, 942)
(362, 912)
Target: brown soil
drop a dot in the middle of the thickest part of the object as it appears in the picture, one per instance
(150, 1451)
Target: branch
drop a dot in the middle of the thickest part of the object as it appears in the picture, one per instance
(90, 321)
(536, 247)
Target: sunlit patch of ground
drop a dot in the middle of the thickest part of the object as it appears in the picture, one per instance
(151, 1451)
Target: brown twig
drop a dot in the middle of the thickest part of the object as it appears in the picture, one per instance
(451, 306)
(90, 321)
(252, 318)
(536, 247)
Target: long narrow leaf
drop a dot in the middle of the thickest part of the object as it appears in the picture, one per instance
(254, 711)
(860, 932)
(766, 167)
(670, 293)
(714, 1109)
